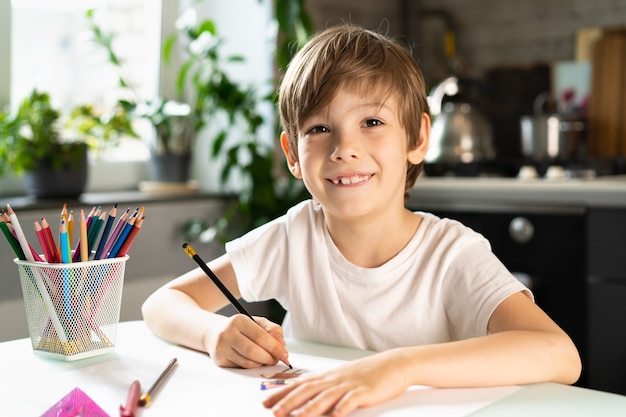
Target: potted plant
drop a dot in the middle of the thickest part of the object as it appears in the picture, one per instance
(206, 92)
(33, 143)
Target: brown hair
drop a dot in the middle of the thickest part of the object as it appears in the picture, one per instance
(348, 56)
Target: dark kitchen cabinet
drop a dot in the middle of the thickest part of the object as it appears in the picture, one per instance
(607, 300)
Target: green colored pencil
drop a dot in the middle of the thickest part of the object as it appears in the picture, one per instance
(12, 241)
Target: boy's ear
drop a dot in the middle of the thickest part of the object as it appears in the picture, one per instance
(417, 154)
(292, 162)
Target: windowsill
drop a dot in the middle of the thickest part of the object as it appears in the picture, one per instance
(108, 183)
(103, 176)
(109, 198)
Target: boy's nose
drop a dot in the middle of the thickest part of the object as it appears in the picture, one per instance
(345, 147)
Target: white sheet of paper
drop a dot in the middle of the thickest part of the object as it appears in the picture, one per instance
(197, 387)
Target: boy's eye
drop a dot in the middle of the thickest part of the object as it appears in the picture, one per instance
(373, 122)
(318, 129)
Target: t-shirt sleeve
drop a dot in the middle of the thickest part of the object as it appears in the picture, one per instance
(259, 261)
(476, 282)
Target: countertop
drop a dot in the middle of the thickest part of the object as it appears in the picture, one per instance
(431, 192)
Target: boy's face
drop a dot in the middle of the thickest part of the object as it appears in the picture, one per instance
(352, 155)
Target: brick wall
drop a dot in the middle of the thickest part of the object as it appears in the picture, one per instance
(489, 32)
(509, 44)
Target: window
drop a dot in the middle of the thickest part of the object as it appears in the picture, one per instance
(69, 64)
(50, 49)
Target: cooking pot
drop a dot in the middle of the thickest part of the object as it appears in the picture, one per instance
(459, 133)
(550, 136)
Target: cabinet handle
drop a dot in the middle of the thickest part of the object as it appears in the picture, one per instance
(521, 230)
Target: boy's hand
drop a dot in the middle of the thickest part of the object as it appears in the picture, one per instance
(240, 342)
(337, 392)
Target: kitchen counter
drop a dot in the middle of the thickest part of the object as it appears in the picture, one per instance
(485, 192)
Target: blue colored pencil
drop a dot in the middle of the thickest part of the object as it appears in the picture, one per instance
(123, 234)
(106, 231)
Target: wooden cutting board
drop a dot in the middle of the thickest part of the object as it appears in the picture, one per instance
(607, 106)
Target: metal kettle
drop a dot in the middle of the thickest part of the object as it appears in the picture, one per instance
(460, 133)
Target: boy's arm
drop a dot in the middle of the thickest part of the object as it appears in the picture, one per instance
(525, 346)
(183, 312)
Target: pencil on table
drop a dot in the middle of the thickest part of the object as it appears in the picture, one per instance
(145, 399)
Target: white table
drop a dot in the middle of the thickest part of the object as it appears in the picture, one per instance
(30, 384)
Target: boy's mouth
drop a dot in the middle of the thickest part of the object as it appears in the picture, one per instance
(353, 179)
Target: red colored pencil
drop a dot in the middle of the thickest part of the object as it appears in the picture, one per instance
(50, 239)
(41, 236)
(131, 236)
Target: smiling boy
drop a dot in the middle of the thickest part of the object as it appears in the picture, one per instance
(353, 266)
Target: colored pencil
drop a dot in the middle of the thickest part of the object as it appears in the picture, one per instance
(41, 236)
(50, 239)
(123, 234)
(66, 258)
(76, 255)
(15, 244)
(96, 228)
(131, 237)
(8, 220)
(70, 226)
(64, 243)
(105, 233)
(20, 234)
(116, 231)
(84, 243)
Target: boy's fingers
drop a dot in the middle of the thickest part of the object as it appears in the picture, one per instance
(269, 337)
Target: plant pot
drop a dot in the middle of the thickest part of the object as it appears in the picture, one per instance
(68, 181)
(170, 167)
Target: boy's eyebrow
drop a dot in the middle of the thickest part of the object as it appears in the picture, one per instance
(378, 105)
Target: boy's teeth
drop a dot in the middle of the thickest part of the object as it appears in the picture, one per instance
(350, 180)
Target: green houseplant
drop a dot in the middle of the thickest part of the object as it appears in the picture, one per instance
(34, 144)
(266, 188)
(204, 90)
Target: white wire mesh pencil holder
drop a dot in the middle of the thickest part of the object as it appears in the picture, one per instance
(72, 309)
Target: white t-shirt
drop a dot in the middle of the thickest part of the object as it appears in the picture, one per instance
(443, 286)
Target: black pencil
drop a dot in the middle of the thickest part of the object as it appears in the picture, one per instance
(194, 255)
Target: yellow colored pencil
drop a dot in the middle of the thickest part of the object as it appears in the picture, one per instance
(84, 243)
